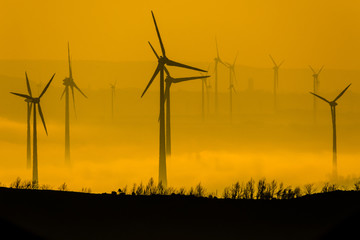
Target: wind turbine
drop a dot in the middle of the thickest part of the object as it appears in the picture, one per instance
(112, 86)
(28, 133)
(316, 85)
(231, 68)
(35, 102)
(204, 88)
(217, 60)
(162, 61)
(333, 118)
(69, 83)
(276, 78)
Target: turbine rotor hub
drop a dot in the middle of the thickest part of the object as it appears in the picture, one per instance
(333, 104)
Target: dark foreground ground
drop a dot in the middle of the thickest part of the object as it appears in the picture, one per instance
(29, 214)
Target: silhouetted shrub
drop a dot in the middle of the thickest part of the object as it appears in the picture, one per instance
(140, 189)
(357, 185)
(86, 190)
(161, 188)
(16, 184)
(329, 187)
(199, 191)
(150, 187)
(272, 188)
(63, 187)
(182, 191)
(297, 192)
(123, 191)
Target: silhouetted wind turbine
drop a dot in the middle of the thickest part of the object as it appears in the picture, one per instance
(162, 61)
(217, 61)
(231, 83)
(276, 78)
(204, 87)
(112, 86)
(35, 102)
(316, 85)
(28, 135)
(69, 83)
(333, 117)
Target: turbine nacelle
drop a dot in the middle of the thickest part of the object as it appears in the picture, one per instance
(68, 82)
(333, 104)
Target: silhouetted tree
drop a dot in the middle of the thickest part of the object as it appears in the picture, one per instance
(261, 189)
(249, 189)
(140, 189)
(236, 191)
(150, 187)
(161, 188)
(309, 189)
(280, 190)
(226, 193)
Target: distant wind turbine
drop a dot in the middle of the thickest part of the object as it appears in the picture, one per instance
(35, 102)
(162, 61)
(231, 82)
(333, 117)
(316, 85)
(276, 78)
(217, 61)
(69, 83)
(204, 88)
(112, 86)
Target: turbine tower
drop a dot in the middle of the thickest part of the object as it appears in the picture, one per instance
(112, 86)
(217, 61)
(69, 84)
(232, 74)
(316, 86)
(276, 79)
(35, 102)
(333, 118)
(162, 61)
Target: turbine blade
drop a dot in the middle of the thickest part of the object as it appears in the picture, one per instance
(233, 88)
(47, 86)
(157, 56)
(312, 69)
(273, 60)
(77, 88)
(62, 95)
(177, 80)
(176, 64)
(73, 97)
(21, 95)
(217, 49)
(28, 84)
(320, 97)
(70, 70)
(152, 79)
(341, 93)
(237, 53)
(320, 70)
(158, 33)
(281, 63)
(42, 118)
(167, 90)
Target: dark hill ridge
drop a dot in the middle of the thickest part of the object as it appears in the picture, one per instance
(71, 215)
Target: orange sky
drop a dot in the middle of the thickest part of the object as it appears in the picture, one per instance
(303, 32)
(107, 154)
